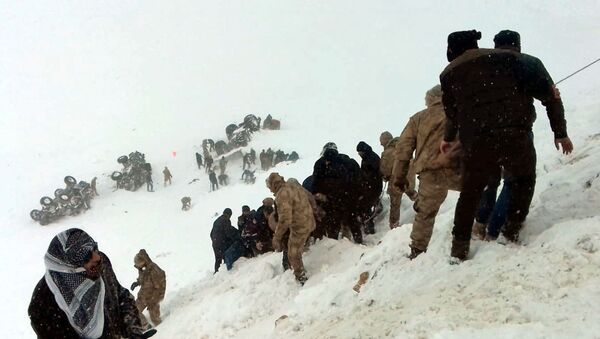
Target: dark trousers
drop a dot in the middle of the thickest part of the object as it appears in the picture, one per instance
(219, 256)
(336, 215)
(514, 151)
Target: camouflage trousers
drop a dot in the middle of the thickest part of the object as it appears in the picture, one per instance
(433, 189)
(295, 247)
(153, 309)
(396, 197)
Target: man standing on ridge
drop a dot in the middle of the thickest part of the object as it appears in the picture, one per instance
(488, 99)
(437, 172)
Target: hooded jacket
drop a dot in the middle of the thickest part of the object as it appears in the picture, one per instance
(152, 279)
(294, 209)
(422, 136)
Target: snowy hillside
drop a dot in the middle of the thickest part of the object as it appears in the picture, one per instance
(84, 83)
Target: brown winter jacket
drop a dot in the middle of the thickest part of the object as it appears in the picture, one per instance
(121, 316)
(491, 90)
(294, 209)
(423, 135)
(152, 279)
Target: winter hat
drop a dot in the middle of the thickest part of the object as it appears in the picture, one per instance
(274, 181)
(245, 208)
(141, 258)
(385, 138)
(329, 145)
(363, 147)
(459, 42)
(228, 211)
(268, 202)
(508, 40)
(330, 154)
(433, 95)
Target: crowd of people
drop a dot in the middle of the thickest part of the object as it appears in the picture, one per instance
(475, 131)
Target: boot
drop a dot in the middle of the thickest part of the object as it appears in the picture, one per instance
(414, 252)
(460, 249)
(511, 230)
(479, 230)
(490, 237)
(301, 278)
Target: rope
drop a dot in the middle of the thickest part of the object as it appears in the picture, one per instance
(579, 70)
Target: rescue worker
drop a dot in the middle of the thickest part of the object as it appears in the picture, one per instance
(335, 185)
(93, 185)
(212, 177)
(153, 282)
(225, 240)
(371, 185)
(222, 165)
(488, 100)
(294, 214)
(437, 173)
(186, 203)
(167, 176)
(386, 167)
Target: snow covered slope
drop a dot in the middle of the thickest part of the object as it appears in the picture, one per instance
(84, 83)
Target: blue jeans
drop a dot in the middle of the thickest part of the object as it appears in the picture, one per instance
(233, 253)
(493, 211)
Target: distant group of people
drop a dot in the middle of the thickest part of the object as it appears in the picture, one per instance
(167, 176)
(269, 158)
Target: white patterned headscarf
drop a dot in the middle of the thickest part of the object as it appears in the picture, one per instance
(81, 298)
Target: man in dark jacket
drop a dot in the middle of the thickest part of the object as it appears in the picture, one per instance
(258, 233)
(371, 185)
(212, 177)
(488, 100)
(335, 183)
(80, 296)
(244, 219)
(225, 240)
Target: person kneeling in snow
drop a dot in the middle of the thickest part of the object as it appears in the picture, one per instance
(295, 214)
(153, 283)
(79, 296)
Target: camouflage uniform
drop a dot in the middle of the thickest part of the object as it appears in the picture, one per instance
(167, 175)
(153, 282)
(295, 214)
(437, 173)
(386, 168)
(222, 165)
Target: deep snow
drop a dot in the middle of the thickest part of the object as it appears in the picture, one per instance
(84, 83)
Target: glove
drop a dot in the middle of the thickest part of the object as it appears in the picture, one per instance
(321, 197)
(144, 335)
(400, 183)
(134, 285)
